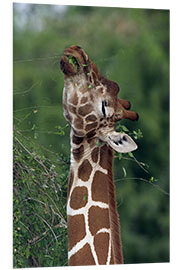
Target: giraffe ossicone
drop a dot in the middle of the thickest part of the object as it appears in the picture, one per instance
(92, 108)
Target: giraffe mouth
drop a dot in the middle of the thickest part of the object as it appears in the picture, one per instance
(69, 65)
(73, 61)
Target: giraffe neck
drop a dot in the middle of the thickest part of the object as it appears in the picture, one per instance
(93, 226)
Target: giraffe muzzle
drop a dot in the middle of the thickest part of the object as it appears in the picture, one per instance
(69, 65)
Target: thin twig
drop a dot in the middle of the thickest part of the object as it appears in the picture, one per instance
(35, 158)
(141, 164)
(144, 180)
(36, 59)
(37, 239)
(26, 227)
(44, 148)
(28, 199)
(48, 226)
(35, 107)
(26, 91)
(60, 215)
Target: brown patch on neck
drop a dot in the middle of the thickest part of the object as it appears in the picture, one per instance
(72, 109)
(98, 219)
(82, 257)
(86, 109)
(102, 240)
(78, 123)
(84, 170)
(91, 126)
(83, 100)
(95, 154)
(91, 134)
(100, 187)
(76, 229)
(92, 142)
(77, 140)
(83, 89)
(79, 197)
(103, 158)
(78, 153)
(74, 99)
(91, 118)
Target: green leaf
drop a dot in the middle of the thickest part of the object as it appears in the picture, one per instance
(84, 197)
(124, 128)
(73, 61)
(120, 156)
(137, 134)
(152, 179)
(130, 154)
(60, 131)
(118, 126)
(35, 135)
(124, 171)
(121, 110)
(27, 253)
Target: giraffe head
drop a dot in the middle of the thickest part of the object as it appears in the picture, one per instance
(90, 102)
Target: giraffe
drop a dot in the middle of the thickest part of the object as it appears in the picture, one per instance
(91, 107)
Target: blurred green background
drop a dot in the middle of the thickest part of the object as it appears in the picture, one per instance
(130, 47)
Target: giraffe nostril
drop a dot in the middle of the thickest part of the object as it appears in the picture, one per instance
(124, 138)
(115, 142)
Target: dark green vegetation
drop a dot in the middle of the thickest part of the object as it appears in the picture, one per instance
(130, 47)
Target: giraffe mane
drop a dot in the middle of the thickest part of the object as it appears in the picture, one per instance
(113, 213)
(114, 223)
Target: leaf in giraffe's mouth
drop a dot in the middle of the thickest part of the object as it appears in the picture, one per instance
(73, 61)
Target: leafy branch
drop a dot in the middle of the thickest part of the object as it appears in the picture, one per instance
(136, 134)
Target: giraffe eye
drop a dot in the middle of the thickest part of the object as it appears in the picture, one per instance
(104, 105)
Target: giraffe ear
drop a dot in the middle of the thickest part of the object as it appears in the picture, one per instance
(121, 142)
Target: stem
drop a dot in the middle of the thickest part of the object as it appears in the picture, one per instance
(144, 180)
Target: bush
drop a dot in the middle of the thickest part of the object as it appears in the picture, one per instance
(40, 187)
